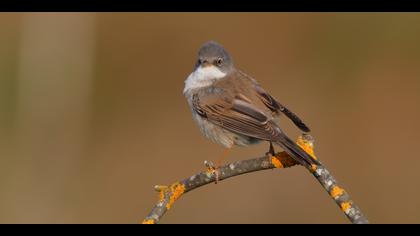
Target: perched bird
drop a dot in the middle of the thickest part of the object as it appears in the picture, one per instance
(231, 108)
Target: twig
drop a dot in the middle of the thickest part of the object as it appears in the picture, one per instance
(169, 194)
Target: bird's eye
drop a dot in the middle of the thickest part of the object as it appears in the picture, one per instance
(199, 61)
(219, 61)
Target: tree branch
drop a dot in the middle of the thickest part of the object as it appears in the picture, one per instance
(169, 194)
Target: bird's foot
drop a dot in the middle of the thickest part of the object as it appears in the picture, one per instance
(213, 170)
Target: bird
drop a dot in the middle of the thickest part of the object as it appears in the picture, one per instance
(232, 109)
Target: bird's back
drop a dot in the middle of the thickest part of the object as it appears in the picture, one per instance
(239, 85)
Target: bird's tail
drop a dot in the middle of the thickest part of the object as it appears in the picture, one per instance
(296, 152)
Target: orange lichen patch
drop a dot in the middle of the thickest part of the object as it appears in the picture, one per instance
(177, 190)
(313, 167)
(336, 192)
(162, 195)
(307, 146)
(161, 189)
(345, 206)
(148, 222)
(284, 159)
(210, 170)
(276, 162)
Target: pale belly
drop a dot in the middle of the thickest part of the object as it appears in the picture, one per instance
(221, 136)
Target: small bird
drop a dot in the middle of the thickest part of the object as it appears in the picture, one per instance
(231, 108)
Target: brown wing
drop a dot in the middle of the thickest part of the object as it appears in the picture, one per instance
(275, 106)
(240, 116)
(236, 115)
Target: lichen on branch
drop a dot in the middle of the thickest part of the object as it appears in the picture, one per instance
(168, 195)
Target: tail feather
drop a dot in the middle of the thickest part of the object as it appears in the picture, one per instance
(296, 152)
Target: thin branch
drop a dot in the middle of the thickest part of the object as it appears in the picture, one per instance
(169, 194)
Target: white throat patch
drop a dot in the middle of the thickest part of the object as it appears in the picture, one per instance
(202, 77)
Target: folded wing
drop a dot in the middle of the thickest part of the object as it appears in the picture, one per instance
(275, 106)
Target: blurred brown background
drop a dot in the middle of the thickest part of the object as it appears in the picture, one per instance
(92, 115)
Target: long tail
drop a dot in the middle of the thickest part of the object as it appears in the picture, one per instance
(296, 152)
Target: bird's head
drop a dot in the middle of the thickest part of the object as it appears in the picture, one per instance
(212, 56)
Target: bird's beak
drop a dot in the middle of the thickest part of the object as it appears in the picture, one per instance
(206, 64)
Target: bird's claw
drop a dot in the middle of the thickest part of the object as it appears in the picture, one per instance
(213, 169)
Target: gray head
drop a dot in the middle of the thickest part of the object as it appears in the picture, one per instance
(213, 54)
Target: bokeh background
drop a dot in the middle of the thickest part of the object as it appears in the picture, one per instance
(92, 115)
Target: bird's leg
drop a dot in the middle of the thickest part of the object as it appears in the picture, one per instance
(270, 152)
(223, 157)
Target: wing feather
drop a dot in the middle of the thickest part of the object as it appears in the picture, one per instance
(275, 106)
(236, 116)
